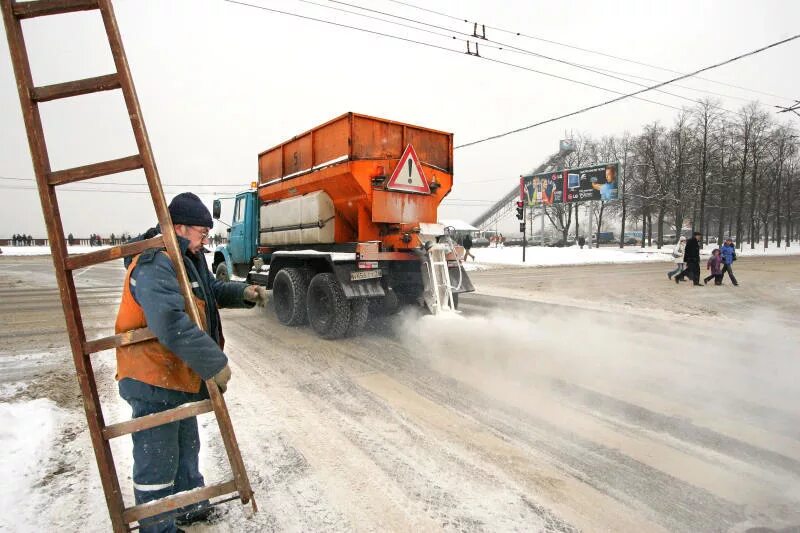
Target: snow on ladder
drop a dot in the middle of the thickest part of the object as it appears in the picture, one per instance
(47, 180)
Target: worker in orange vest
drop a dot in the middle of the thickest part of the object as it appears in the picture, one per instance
(162, 374)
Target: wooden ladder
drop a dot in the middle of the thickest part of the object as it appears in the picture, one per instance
(47, 180)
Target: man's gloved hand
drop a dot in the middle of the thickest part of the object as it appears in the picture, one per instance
(222, 378)
(256, 294)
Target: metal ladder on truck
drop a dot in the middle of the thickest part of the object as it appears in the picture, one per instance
(438, 293)
(122, 518)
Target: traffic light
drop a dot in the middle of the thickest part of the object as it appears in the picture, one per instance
(521, 210)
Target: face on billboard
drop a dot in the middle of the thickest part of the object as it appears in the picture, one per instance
(575, 185)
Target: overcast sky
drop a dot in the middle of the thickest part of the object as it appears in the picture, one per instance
(220, 82)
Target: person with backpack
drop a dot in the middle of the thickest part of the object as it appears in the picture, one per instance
(728, 253)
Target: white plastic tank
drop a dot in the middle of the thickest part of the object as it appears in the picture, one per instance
(281, 221)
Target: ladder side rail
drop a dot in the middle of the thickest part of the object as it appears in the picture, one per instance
(170, 239)
(66, 285)
(146, 152)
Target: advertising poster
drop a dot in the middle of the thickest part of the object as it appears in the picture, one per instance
(598, 182)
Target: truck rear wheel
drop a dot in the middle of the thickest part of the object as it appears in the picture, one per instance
(289, 296)
(328, 308)
(359, 314)
(222, 272)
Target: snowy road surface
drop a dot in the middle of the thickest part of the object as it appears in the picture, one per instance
(595, 398)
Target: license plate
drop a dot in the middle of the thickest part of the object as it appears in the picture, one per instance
(365, 274)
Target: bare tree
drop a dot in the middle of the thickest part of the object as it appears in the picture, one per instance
(705, 116)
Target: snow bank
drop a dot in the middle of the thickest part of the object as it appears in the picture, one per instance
(27, 436)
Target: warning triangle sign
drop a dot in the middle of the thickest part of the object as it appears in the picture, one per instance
(408, 175)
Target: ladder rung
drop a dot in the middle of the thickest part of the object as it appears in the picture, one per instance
(176, 501)
(150, 421)
(114, 166)
(74, 262)
(114, 341)
(41, 8)
(75, 88)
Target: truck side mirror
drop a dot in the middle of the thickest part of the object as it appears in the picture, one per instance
(217, 208)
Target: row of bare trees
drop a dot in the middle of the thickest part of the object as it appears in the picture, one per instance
(717, 172)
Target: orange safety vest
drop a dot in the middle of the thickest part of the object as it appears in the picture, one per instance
(149, 361)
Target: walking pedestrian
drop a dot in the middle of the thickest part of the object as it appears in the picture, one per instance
(728, 254)
(677, 253)
(171, 370)
(691, 256)
(714, 264)
(467, 244)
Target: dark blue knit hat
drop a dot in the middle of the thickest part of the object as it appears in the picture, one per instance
(188, 209)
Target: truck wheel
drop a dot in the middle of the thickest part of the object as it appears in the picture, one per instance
(289, 296)
(328, 309)
(222, 272)
(359, 313)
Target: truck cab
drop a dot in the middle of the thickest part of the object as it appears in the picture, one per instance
(235, 257)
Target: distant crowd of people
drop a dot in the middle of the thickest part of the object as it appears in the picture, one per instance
(21, 240)
(687, 261)
(498, 241)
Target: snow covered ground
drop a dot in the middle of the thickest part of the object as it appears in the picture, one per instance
(517, 415)
(536, 256)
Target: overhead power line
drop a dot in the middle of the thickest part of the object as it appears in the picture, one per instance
(613, 100)
(439, 47)
(587, 50)
(793, 108)
(505, 47)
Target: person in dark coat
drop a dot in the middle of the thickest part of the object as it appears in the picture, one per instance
(171, 370)
(467, 244)
(691, 256)
(728, 253)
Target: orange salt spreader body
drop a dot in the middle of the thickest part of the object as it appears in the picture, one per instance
(352, 158)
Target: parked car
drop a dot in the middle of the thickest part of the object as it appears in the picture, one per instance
(480, 242)
(605, 237)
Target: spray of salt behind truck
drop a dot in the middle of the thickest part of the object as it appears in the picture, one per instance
(348, 223)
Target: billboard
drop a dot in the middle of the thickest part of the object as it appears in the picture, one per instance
(597, 182)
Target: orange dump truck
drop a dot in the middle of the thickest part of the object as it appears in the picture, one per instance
(344, 222)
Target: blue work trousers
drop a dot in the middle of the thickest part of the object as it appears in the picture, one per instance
(165, 461)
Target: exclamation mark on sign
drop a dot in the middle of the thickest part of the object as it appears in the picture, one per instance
(409, 170)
